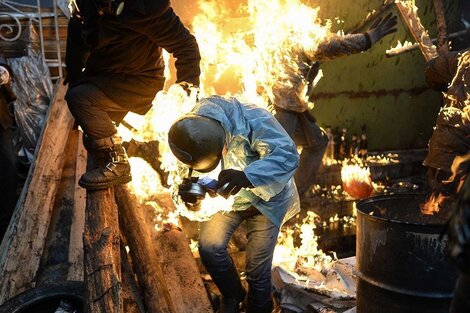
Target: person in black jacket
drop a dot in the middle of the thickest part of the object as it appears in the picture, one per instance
(8, 164)
(115, 65)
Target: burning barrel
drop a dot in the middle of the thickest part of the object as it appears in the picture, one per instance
(401, 258)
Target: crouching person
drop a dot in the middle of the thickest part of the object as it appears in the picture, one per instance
(258, 162)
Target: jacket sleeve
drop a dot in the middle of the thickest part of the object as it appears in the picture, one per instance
(76, 53)
(170, 34)
(338, 46)
(278, 156)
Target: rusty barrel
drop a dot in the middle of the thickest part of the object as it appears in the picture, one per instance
(401, 258)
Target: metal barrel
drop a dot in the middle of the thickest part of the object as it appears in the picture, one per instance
(401, 259)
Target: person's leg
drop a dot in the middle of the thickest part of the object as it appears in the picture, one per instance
(95, 112)
(288, 120)
(214, 236)
(314, 142)
(262, 236)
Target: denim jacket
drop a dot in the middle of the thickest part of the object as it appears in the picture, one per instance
(258, 145)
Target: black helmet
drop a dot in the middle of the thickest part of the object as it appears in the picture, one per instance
(197, 141)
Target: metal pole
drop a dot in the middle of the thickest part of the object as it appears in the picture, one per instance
(57, 39)
(41, 34)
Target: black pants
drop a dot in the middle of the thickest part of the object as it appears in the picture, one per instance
(94, 111)
(8, 178)
(313, 140)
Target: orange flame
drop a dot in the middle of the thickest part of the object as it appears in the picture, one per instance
(356, 181)
(433, 205)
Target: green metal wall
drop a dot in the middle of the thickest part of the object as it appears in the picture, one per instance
(389, 95)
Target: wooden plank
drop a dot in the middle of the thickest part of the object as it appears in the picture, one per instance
(144, 255)
(78, 219)
(409, 14)
(23, 244)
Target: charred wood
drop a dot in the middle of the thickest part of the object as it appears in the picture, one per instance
(183, 278)
(102, 253)
(144, 256)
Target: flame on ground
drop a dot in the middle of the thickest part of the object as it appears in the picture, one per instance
(305, 256)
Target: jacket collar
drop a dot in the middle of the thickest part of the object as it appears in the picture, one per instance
(136, 5)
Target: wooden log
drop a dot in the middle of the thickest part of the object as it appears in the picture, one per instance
(54, 264)
(144, 256)
(442, 38)
(102, 253)
(78, 219)
(409, 14)
(23, 244)
(131, 294)
(181, 272)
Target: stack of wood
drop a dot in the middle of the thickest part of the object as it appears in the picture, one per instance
(126, 265)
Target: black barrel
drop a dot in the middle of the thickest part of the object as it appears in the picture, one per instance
(401, 259)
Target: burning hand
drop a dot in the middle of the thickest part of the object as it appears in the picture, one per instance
(231, 181)
(382, 27)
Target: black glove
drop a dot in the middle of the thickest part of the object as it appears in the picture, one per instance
(188, 87)
(382, 27)
(235, 181)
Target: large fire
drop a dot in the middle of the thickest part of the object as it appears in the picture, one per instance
(241, 56)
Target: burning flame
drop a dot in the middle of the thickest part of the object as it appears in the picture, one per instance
(242, 56)
(357, 181)
(433, 205)
(307, 255)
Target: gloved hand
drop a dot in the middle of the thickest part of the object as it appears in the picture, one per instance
(188, 87)
(235, 181)
(382, 27)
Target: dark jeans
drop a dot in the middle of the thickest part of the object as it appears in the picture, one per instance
(262, 236)
(94, 111)
(8, 179)
(313, 140)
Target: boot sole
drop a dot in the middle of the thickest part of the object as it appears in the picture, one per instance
(118, 181)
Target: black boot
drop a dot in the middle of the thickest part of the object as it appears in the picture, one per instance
(116, 171)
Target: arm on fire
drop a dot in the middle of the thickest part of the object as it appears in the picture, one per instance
(338, 46)
(170, 34)
(76, 52)
(278, 156)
